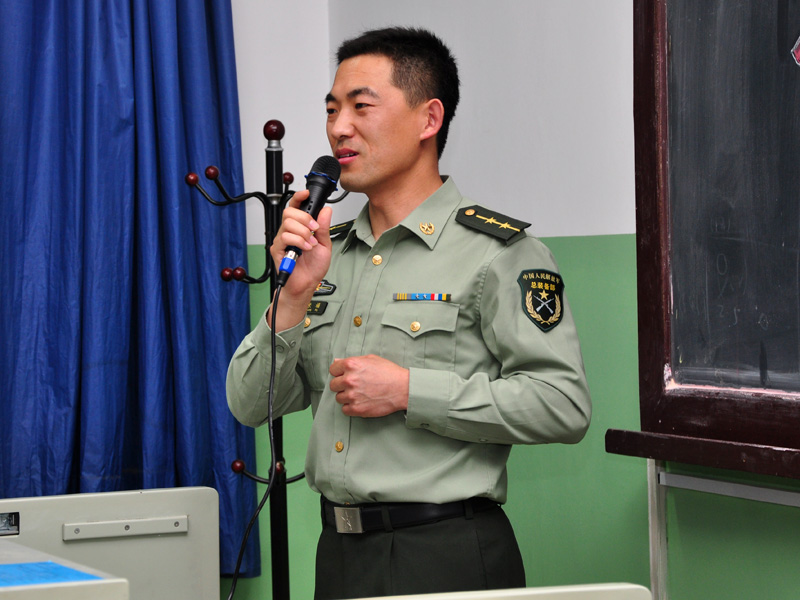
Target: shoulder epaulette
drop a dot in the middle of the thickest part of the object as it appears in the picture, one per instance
(341, 228)
(487, 221)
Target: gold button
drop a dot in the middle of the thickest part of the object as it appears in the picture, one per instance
(377, 259)
(307, 322)
(415, 326)
(469, 212)
(357, 321)
(339, 446)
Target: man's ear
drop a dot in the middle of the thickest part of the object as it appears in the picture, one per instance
(433, 112)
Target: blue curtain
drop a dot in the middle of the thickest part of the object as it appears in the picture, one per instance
(116, 328)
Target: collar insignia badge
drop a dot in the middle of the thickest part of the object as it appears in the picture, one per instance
(427, 228)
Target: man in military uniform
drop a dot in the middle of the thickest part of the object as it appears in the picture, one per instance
(428, 336)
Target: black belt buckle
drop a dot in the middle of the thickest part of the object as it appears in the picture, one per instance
(348, 519)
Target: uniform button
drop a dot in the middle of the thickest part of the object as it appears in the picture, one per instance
(357, 321)
(307, 322)
(415, 326)
(377, 259)
(339, 446)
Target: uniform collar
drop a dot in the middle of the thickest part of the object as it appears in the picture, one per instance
(426, 222)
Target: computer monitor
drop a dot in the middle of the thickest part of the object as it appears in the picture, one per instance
(165, 542)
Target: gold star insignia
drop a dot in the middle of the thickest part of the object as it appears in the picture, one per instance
(493, 221)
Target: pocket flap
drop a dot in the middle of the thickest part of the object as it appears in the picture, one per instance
(418, 318)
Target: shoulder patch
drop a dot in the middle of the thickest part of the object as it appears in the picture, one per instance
(341, 228)
(542, 297)
(487, 221)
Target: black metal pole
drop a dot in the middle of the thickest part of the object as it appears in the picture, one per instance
(278, 523)
(278, 514)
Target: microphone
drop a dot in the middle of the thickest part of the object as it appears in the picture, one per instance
(321, 183)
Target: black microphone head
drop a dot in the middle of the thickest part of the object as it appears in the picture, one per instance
(328, 166)
(321, 183)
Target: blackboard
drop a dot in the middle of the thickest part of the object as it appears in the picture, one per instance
(734, 177)
(717, 154)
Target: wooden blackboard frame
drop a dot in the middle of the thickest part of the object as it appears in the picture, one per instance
(748, 430)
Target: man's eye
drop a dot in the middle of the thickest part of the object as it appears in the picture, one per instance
(360, 105)
(330, 111)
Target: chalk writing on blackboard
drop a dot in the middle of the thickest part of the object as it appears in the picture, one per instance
(734, 177)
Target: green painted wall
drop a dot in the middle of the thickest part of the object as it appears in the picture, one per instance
(732, 548)
(581, 514)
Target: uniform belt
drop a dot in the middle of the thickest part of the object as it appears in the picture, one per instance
(360, 518)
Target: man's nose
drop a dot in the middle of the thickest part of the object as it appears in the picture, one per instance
(342, 125)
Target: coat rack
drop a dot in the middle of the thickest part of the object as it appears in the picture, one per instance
(274, 201)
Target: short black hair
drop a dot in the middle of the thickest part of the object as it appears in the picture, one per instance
(423, 67)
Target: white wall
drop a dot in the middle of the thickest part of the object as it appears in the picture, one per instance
(282, 64)
(544, 131)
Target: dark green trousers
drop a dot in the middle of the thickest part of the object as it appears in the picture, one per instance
(477, 553)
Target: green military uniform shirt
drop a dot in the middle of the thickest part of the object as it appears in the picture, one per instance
(474, 308)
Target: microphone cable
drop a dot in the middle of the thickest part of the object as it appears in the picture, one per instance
(273, 459)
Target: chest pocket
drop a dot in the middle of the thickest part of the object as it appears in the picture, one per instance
(420, 334)
(315, 350)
